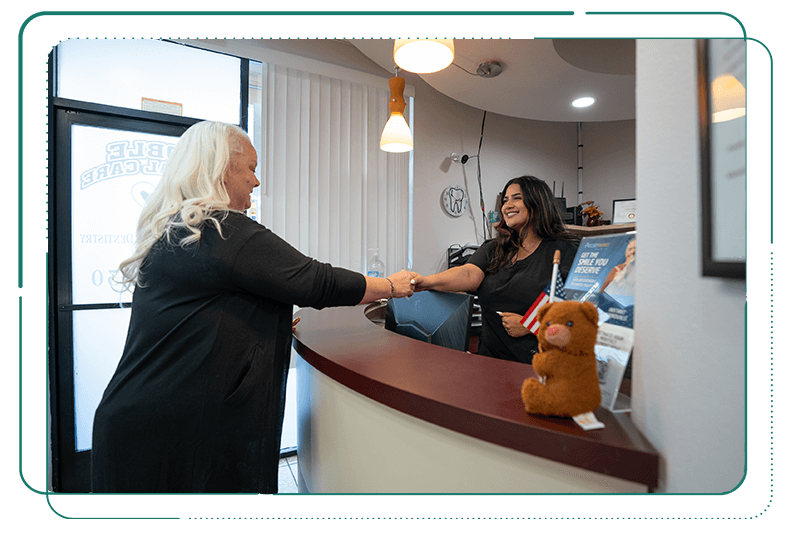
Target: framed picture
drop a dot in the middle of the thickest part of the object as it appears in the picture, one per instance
(721, 90)
(623, 211)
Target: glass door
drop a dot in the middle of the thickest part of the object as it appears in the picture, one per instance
(113, 172)
(106, 166)
(117, 108)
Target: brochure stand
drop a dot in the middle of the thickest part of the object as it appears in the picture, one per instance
(603, 272)
(613, 349)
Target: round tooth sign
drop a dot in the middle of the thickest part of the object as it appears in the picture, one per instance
(454, 200)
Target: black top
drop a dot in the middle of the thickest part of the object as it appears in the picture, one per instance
(514, 289)
(196, 403)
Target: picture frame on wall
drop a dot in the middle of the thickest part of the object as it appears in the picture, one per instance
(722, 112)
(623, 211)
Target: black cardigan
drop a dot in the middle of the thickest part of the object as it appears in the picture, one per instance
(196, 403)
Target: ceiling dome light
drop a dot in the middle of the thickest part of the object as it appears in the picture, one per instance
(423, 55)
(583, 102)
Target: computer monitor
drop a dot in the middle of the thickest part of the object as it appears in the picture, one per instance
(439, 318)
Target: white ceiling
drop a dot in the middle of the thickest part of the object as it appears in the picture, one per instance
(540, 78)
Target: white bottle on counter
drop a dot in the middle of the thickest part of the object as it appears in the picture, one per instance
(375, 268)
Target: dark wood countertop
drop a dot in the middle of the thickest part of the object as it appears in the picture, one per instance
(601, 230)
(470, 394)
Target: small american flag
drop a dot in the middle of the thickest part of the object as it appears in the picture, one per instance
(529, 319)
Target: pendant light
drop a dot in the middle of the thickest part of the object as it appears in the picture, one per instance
(396, 136)
(423, 55)
(727, 99)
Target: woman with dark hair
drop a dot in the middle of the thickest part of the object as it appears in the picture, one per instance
(509, 273)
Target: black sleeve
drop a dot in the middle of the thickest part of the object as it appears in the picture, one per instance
(268, 266)
(483, 255)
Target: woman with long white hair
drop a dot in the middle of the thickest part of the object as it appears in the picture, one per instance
(196, 403)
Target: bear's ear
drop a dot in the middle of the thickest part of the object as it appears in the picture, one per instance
(590, 311)
(543, 311)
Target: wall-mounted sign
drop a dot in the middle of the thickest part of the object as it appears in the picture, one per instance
(454, 200)
(162, 106)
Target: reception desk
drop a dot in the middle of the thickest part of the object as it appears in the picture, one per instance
(382, 413)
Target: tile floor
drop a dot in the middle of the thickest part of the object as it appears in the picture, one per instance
(287, 475)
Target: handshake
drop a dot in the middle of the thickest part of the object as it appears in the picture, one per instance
(405, 283)
(466, 278)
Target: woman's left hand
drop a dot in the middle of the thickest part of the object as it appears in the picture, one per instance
(512, 324)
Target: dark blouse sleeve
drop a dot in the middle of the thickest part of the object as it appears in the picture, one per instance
(483, 255)
(268, 266)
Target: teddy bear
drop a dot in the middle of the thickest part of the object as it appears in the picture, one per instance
(567, 384)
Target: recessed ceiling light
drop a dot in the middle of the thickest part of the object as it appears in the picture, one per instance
(583, 102)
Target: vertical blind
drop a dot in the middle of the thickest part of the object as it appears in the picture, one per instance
(328, 189)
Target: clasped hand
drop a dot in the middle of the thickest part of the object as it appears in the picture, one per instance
(404, 282)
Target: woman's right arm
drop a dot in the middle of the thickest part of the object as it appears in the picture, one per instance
(464, 278)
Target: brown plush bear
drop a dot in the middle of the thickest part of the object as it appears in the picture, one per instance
(565, 363)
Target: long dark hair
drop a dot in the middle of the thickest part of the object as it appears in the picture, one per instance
(544, 220)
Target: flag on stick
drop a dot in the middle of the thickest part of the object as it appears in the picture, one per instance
(554, 292)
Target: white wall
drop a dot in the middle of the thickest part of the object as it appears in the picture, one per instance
(688, 372)
(609, 164)
(511, 147)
